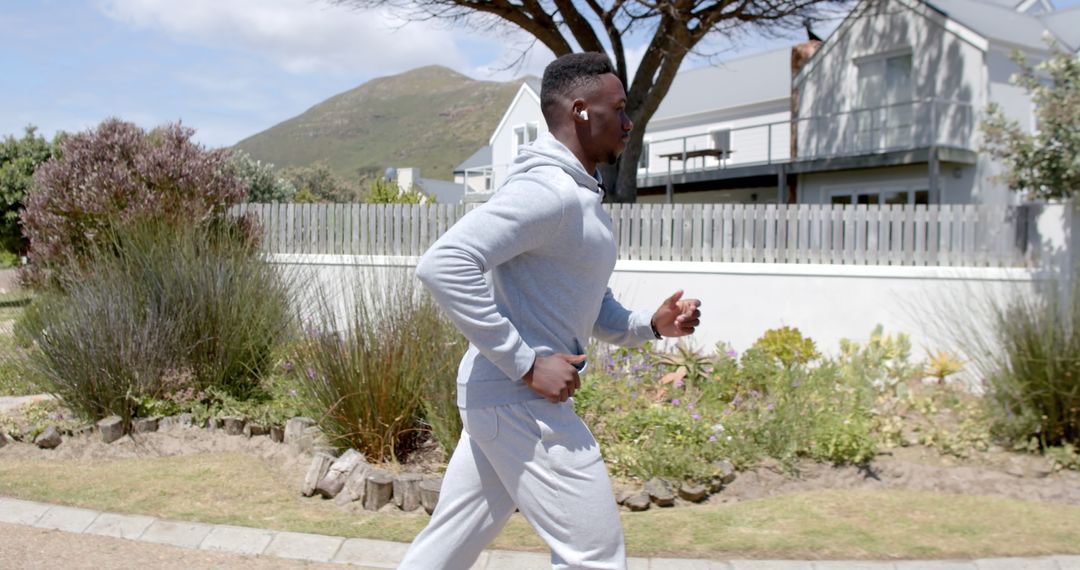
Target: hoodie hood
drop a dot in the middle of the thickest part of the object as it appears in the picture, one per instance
(546, 150)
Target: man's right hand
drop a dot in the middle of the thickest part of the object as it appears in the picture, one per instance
(555, 377)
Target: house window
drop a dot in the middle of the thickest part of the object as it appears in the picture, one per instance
(523, 135)
(881, 197)
(643, 160)
(885, 117)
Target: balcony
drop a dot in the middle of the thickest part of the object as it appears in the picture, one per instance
(899, 133)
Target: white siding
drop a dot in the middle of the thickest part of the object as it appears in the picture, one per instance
(753, 141)
(525, 109)
(944, 66)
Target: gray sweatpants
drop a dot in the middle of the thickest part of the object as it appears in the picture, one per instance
(539, 457)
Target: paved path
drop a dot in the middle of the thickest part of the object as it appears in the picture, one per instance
(40, 535)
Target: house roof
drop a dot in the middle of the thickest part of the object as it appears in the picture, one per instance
(995, 21)
(444, 192)
(482, 157)
(1065, 24)
(741, 81)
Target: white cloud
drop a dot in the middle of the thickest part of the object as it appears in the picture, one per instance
(299, 36)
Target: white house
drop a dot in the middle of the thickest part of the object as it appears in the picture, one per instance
(890, 104)
(886, 110)
(732, 117)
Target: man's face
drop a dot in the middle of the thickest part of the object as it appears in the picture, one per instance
(609, 125)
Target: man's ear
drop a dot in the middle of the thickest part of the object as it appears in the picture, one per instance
(580, 112)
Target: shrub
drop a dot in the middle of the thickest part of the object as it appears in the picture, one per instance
(377, 360)
(113, 175)
(1032, 368)
(18, 160)
(676, 414)
(261, 182)
(317, 183)
(383, 191)
(165, 309)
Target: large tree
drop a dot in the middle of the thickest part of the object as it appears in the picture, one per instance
(671, 30)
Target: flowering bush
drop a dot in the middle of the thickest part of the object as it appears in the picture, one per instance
(113, 175)
(675, 415)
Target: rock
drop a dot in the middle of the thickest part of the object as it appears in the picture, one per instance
(380, 487)
(725, 471)
(168, 422)
(213, 423)
(638, 502)
(48, 439)
(320, 464)
(277, 434)
(234, 425)
(111, 428)
(693, 492)
(1041, 468)
(407, 491)
(334, 480)
(660, 491)
(186, 420)
(4, 439)
(255, 430)
(355, 485)
(294, 429)
(1015, 469)
(429, 493)
(624, 495)
(145, 425)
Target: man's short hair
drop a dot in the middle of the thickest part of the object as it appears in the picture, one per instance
(567, 75)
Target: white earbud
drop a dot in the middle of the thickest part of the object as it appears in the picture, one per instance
(584, 115)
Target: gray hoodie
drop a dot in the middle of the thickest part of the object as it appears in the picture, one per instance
(547, 242)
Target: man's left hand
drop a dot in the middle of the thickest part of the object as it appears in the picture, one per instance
(677, 316)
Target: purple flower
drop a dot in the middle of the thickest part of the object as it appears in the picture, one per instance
(690, 405)
(732, 353)
(678, 383)
(287, 366)
(712, 438)
(755, 394)
(311, 373)
(769, 407)
(675, 402)
(292, 392)
(696, 417)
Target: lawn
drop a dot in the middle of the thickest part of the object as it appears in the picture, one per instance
(243, 490)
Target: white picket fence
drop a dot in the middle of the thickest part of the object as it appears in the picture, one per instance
(970, 236)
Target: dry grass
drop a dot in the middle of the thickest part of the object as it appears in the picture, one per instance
(243, 490)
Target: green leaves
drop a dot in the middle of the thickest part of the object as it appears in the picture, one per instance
(1044, 164)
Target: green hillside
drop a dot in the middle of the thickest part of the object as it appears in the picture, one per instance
(432, 118)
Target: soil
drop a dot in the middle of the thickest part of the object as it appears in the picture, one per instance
(993, 473)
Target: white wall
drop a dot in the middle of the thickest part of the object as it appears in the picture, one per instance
(524, 109)
(740, 301)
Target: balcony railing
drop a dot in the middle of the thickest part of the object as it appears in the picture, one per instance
(885, 128)
(898, 126)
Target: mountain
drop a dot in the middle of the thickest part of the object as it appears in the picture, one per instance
(432, 118)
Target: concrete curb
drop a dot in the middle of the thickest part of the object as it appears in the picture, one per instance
(386, 554)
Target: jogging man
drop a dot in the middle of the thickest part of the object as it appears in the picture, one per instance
(547, 243)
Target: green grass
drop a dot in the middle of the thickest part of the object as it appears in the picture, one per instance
(243, 490)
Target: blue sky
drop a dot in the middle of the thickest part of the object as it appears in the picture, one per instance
(228, 68)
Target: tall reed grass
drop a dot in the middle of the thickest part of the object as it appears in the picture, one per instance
(158, 309)
(381, 360)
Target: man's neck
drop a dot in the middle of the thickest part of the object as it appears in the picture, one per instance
(570, 141)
